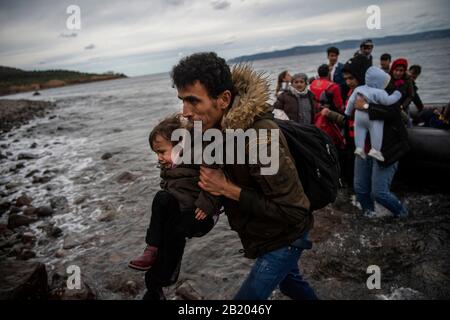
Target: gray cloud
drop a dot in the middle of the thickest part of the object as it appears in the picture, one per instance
(220, 4)
(176, 2)
(141, 36)
(68, 35)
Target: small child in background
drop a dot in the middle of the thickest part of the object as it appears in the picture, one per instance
(373, 92)
(180, 204)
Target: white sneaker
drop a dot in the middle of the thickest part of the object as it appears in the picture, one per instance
(360, 152)
(376, 154)
(370, 214)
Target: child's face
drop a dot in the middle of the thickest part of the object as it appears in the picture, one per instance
(413, 75)
(163, 150)
(399, 72)
(350, 80)
(385, 64)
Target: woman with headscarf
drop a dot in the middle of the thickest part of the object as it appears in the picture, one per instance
(297, 101)
(401, 81)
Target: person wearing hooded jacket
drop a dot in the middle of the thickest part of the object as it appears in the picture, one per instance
(402, 82)
(270, 213)
(353, 73)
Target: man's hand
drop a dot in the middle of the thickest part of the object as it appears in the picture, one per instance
(199, 214)
(360, 102)
(215, 182)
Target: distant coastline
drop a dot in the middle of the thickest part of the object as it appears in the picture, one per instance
(14, 80)
(346, 44)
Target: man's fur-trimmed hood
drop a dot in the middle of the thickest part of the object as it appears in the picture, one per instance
(251, 99)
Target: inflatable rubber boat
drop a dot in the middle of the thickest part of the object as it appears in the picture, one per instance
(430, 149)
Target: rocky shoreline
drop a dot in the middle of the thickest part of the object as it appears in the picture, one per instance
(111, 202)
(14, 113)
(22, 276)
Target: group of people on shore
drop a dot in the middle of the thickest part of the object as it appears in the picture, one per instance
(362, 108)
(372, 134)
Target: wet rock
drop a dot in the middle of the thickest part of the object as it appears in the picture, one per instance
(59, 203)
(43, 179)
(60, 291)
(27, 156)
(131, 288)
(51, 171)
(125, 286)
(55, 232)
(9, 242)
(126, 177)
(30, 211)
(51, 187)
(44, 211)
(31, 173)
(73, 240)
(52, 117)
(23, 200)
(26, 255)
(4, 231)
(106, 216)
(17, 167)
(43, 241)
(33, 145)
(60, 253)
(14, 209)
(13, 185)
(402, 294)
(16, 220)
(108, 212)
(16, 249)
(23, 280)
(80, 200)
(28, 237)
(185, 290)
(106, 156)
(4, 207)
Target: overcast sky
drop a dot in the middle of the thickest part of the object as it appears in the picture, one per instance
(149, 36)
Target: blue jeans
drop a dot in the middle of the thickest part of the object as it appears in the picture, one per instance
(277, 268)
(372, 182)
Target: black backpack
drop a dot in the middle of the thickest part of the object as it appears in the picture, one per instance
(316, 160)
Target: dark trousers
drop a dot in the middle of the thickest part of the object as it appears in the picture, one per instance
(168, 230)
(347, 162)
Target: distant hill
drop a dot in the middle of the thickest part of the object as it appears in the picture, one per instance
(346, 44)
(14, 80)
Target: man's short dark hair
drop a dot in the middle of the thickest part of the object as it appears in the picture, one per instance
(323, 70)
(367, 42)
(416, 69)
(209, 69)
(333, 50)
(385, 56)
